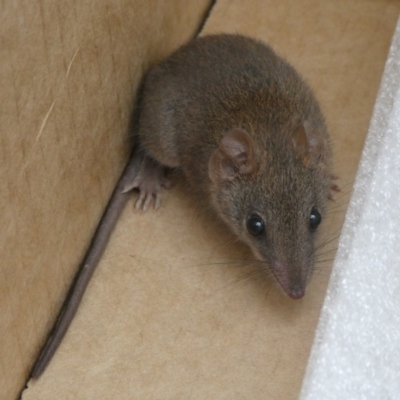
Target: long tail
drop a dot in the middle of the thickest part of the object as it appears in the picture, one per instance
(99, 242)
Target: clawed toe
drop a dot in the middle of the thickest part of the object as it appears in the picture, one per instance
(334, 187)
(148, 181)
(146, 197)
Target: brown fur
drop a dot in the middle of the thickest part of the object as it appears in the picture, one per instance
(220, 83)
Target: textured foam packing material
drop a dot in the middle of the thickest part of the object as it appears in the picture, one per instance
(356, 353)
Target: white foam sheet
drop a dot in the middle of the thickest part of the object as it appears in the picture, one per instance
(356, 351)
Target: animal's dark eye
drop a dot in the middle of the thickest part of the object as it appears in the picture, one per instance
(315, 218)
(255, 225)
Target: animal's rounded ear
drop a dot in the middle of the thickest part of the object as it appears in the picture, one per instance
(309, 143)
(233, 157)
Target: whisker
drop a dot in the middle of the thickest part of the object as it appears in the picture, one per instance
(333, 212)
(325, 252)
(249, 275)
(239, 262)
(322, 272)
(346, 185)
(319, 258)
(320, 246)
(342, 195)
(324, 261)
(329, 239)
(336, 205)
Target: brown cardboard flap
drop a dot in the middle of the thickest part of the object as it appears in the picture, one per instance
(69, 74)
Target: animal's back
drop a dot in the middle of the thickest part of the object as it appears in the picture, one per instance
(213, 84)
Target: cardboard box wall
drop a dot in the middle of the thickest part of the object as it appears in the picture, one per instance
(162, 317)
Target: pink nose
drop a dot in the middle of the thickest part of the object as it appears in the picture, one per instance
(296, 293)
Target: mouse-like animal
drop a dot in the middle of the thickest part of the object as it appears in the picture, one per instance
(251, 140)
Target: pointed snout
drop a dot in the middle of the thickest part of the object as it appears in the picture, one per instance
(291, 283)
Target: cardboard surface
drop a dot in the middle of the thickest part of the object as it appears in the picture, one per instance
(68, 75)
(170, 313)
